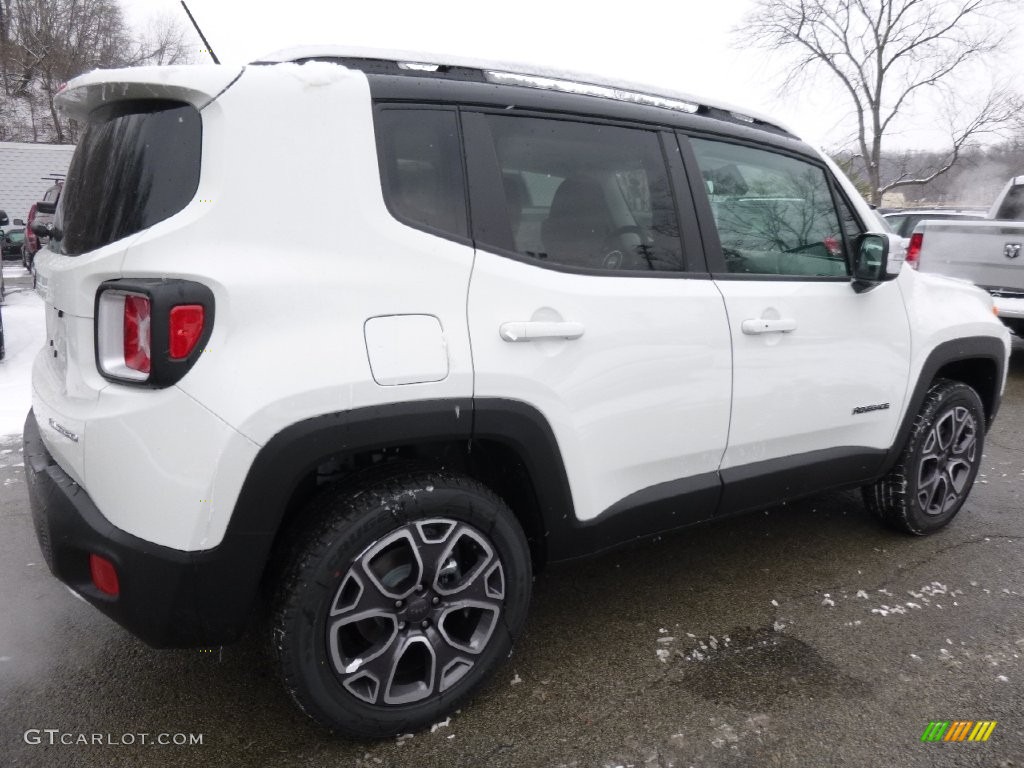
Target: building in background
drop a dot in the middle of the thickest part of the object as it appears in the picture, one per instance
(27, 171)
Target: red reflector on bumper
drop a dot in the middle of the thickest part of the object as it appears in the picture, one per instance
(104, 575)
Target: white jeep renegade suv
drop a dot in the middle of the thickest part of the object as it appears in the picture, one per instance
(523, 318)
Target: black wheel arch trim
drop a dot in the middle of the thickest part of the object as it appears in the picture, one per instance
(280, 467)
(965, 350)
(232, 571)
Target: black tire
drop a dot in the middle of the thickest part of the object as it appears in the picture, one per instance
(443, 568)
(938, 465)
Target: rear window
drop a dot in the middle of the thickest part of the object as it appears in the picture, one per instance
(1013, 205)
(136, 164)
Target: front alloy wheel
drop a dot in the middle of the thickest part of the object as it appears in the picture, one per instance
(948, 458)
(401, 597)
(938, 463)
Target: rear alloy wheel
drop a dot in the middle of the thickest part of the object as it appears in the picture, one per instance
(939, 463)
(405, 597)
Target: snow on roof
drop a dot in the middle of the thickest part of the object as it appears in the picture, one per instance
(424, 57)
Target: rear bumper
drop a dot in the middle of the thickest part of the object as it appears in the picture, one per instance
(1007, 307)
(168, 597)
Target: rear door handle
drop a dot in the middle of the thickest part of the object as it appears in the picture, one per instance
(534, 331)
(758, 325)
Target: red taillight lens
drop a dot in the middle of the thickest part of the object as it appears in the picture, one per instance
(104, 575)
(149, 330)
(137, 335)
(185, 327)
(914, 249)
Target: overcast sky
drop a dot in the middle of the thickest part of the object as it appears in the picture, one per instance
(688, 45)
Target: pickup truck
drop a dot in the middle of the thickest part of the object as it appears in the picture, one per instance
(988, 253)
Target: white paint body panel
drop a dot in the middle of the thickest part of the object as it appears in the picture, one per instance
(640, 398)
(942, 309)
(794, 392)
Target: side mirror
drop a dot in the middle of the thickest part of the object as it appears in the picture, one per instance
(870, 261)
(19, 223)
(39, 229)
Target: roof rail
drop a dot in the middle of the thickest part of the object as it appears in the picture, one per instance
(530, 76)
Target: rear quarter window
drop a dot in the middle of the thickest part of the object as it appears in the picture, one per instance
(421, 169)
(137, 164)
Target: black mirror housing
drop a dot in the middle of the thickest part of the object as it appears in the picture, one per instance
(870, 261)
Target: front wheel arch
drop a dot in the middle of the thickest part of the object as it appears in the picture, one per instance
(977, 361)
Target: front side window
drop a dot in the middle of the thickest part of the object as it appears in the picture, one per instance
(588, 196)
(421, 168)
(774, 213)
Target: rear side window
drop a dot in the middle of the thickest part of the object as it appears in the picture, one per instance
(137, 164)
(421, 169)
(589, 196)
(1012, 208)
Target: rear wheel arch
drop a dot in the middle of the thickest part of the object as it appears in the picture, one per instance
(506, 445)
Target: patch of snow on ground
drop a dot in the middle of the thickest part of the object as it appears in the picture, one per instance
(24, 334)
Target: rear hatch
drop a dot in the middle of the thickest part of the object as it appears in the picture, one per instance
(137, 163)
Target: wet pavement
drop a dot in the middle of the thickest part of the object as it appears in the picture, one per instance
(804, 635)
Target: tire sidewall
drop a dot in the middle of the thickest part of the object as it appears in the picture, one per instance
(306, 653)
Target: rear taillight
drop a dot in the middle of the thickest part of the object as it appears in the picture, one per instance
(124, 337)
(186, 326)
(137, 334)
(151, 331)
(914, 249)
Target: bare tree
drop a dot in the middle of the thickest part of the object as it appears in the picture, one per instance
(883, 54)
(163, 42)
(45, 43)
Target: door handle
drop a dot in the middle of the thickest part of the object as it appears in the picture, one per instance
(758, 325)
(534, 331)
